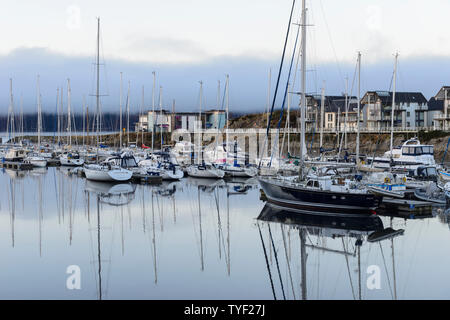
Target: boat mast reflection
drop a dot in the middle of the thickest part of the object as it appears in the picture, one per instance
(360, 228)
(113, 195)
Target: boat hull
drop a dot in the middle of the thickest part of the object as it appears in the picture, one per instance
(214, 173)
(38, 163)
(321, 201)
(71, 162)
(168, 174)
(240, 172)
(97, 174)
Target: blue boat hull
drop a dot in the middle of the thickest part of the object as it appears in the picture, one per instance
(319, 201)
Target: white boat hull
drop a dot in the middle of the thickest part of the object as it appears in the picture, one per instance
(240, 172)
(99, 173)
(171, 175)
(38, 163)
(71, 162)
(195, 171)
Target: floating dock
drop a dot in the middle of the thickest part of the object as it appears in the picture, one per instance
(53, 163)
(16, 165)
(146, 179)
(405, 206)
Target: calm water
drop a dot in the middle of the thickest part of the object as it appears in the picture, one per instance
(200, 239)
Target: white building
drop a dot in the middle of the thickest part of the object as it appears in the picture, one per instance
(439, 105)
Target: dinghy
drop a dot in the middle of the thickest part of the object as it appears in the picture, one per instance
(431, 194)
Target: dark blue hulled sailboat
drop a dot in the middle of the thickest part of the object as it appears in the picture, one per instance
(325, 194)
(312, 192)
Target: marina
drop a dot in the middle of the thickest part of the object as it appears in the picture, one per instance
(338, 190)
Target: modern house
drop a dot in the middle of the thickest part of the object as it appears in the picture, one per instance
(166, 121)
(334, 113)
(440, 113)
(411, 110)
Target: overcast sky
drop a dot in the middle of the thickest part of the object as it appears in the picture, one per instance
(191, 40)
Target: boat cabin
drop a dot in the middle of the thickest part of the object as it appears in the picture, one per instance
(16, 154)
(413, 147)
(424, 173)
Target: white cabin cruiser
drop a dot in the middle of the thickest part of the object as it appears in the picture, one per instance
(16, 154)
(36, 160)
(410, 155)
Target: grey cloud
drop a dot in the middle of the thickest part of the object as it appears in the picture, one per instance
(248, 79)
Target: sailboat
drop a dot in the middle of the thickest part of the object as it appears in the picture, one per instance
(103, 172)
(235, 169)
(310, 191)
(70, 158)
(35, 158)
(202, 169)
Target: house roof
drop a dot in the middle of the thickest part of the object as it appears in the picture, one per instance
(435, 105)
(441, 93)
(331, 103)
(400, 97)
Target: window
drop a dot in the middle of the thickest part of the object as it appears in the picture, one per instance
(330, 117)
(408, 114)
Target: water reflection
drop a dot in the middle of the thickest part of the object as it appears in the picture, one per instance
(319, 233)
(112, 194)
(206, 239)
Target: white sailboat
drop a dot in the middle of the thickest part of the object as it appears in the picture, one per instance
(203, 169)
(103, 172)
(70, 158)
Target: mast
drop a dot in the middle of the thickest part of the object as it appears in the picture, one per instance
(172, 124)
(120, 112)
(153, 109)
(303, 100)
(10, 123)
(160, 115)
(359, 106)
(288, 120)
(39, 119)
(303, 256)
(21, 115)
(393, 103)
(227, 84)
(268, 95)
(142, 113)
(69, 116)
(322, 114)
(84, 122)
(128, 115)
(61, 113)
(200, 119)
(346, 113)
(97, 94)
(218, 94)
(58, 114)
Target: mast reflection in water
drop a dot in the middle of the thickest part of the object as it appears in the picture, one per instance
(205, 239)
(332, 234)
